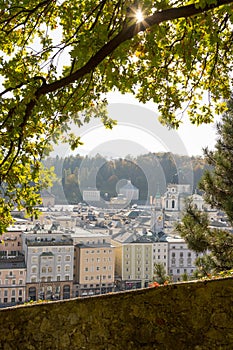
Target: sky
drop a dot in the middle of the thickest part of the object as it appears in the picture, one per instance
(138, 131)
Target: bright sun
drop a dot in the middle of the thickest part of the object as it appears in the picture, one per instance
(139, 16)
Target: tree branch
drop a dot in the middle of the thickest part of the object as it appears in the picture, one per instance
(127, 34)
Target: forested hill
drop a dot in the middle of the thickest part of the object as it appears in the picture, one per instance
(149, 173)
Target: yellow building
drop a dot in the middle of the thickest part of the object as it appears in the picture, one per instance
(133, 261)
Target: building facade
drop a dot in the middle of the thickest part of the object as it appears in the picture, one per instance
(12, 281)
(94, 263)
(181, 260)
(134, 263)
(129, 191)
(49, 259)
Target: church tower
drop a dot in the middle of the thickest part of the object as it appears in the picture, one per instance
(157, 215)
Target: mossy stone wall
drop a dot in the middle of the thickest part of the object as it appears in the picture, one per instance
(195, 316)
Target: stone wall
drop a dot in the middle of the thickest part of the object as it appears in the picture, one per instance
(195, 316)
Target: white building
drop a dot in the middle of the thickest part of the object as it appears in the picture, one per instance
(49, 259)
(91, 195)
(160, 254)
(129, 191)
(181, 260)
(174, 198)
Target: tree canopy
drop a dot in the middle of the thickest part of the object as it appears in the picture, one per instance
(218, 192)
(59, 58)
(218, 183)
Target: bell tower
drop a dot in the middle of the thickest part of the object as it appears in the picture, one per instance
(157, 215)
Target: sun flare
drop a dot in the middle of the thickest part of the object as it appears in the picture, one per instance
(139, 16)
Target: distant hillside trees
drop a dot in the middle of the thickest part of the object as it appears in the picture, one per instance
(146, 172)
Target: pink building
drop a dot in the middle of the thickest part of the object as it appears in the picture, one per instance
(12, 281)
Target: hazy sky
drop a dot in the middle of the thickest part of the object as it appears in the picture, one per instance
(139, 132)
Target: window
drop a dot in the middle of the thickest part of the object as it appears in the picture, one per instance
(21, 273)
(34, 269)
(67, 268)
(67, 277)
(33, 280)
(13, 292)
(6, 281)
(178, 270)
(49, 279)
(67, 258)
(20, 281)
(13, 282)
(43, 270)
(58, 278)
(5, 293)
(173, 255)
(109, 276)
(34, 259)
(59, 258)
(86, 269)
(97, 268)
(58, 268)
(50, 269)
(181, 255)
(20, 292)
